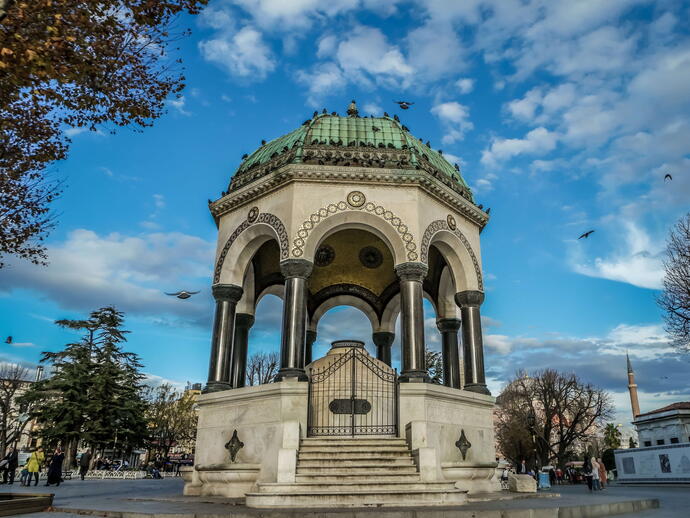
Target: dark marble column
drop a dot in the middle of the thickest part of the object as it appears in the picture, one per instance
(383, 342)
(412, 321)
(227, 296)
(311, 338)
(451, 355)
(472, 343)
(296, 273)
(238, 371)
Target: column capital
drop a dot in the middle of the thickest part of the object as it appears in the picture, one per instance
(448, 324)
(244, 320)
(383, 338)
(469, 298)
(296, 268)
(229, 292)
(411, 271)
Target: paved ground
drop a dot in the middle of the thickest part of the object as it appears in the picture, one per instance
(164, 496)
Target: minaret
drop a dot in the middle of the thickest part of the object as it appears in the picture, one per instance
(632, 388)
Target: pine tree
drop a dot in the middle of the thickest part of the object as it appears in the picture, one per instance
(94, 392)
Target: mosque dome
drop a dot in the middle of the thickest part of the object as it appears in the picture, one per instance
(364, 142)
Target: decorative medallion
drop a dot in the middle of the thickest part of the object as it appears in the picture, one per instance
(451, 222)
(345, 406)
(370, 257)
(356, 199)
(234, 445)
(324, 255)
(463, 444)
(253, 214)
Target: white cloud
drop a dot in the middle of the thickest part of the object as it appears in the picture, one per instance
(538, 141)
(88, 270)
(326, 46)
(243, 54)
(638, 262)
(366, 54)
(434, 50)
(372, 109)
(455, 119)
(465, 85)
(179, 104)
(322, 80)
(502, 344)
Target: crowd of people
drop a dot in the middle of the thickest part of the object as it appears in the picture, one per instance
(593, 472)
(37, 461)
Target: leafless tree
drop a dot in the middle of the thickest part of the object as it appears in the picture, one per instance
(548, 416)
(675, 299)
(13, 418)
(262, 368)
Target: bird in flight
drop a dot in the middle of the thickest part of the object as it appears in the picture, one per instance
(586, 234)
(668, 177)
(404, 104)
(183, 294)
(9, 340)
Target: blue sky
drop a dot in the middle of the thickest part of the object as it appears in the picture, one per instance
(564, 117)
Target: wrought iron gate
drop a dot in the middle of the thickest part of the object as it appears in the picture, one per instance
(353, 395)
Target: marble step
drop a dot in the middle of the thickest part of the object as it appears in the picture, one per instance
(339, 454)
(369, 498)
(354, 447)
(350, 486)
(331, 470)
(359, 476)
(340, 441)
(357, 462)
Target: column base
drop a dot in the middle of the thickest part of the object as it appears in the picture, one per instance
(298, 374)
(414, 377)
(479, 388)
(216, 386)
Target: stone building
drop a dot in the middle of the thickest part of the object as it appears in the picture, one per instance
(356, 211)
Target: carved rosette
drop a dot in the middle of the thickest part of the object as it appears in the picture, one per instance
(253, 214)
(356, 199)
(463, 444)
(411, 271)
(234, 445)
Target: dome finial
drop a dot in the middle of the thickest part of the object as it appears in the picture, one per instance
(352, 109)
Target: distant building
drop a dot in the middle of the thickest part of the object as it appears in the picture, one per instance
(663, 452)
(667, 425)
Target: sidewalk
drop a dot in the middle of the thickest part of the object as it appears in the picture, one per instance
(162, 498)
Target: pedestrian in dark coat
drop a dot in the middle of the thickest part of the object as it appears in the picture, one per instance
(84, 462)
(55, 468)
(12, 459)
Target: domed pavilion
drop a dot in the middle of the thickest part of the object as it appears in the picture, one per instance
(347, 211)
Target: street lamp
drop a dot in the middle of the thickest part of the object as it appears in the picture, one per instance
(531, 423)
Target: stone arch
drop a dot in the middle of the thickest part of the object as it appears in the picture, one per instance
(447, 308)
(274, 289)
(457, 252)
(345, 300)
(243, 243)
(247, 303)
(392, 310)
(367, 216)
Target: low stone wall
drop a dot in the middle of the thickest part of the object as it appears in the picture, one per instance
(654, 464)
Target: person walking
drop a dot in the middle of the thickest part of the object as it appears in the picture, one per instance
(595, 474)
(602, 474)
(34, 464)
(11, 465)
(55, 468)
(84, 462)
(587, 471)
(522, 470)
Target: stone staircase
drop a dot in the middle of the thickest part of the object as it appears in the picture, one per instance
(355, 472)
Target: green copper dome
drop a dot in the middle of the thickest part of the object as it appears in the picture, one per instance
(329, 139)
